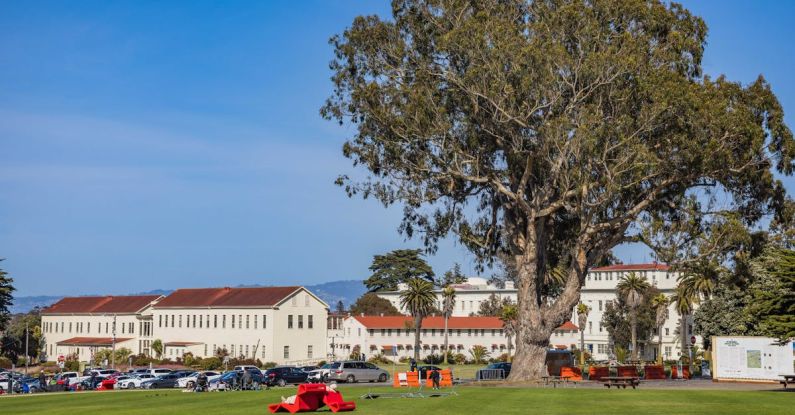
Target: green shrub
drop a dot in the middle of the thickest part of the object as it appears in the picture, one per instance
(268, 365)
(404, 359)
(433, 359)
(210, 363)
(321, 363)
(379, 359)
(459, 359)
(5, 363)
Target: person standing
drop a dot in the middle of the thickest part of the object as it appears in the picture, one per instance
(435, 375)
(42, 381)
(412, 365)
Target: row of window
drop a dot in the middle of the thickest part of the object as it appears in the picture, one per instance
(309, 321)
(85, 327)
(610, 276)
(433, 332)
(203, 321)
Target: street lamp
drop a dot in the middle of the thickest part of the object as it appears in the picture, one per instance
(113, 345)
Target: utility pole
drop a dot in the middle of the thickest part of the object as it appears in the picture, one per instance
(113, 345)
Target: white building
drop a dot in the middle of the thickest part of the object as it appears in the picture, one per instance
(83, 325)
(393, 336)
(286, 325)
(599, 289)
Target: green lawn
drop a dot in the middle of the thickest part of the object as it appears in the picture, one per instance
(470, 400)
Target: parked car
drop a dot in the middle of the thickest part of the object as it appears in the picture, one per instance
(103, 373)
(134, 381)
(308, 368)
(352, 371)
(282, 375)
(189, 381)
(494, 371)
(248, 367)
(163, 381)
(159, 371)
(319, 374)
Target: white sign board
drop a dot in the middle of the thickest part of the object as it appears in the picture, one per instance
(751, 358)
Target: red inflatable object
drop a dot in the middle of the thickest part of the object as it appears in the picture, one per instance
(310, 398)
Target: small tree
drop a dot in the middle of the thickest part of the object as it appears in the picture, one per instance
(448, 305)
(6, 297)
(479, 354)
(157, 347)
(340, 307)
(419, 299)
(582, 321)
(632, 287)
(660, 305)
(776, 311)
(508, 316)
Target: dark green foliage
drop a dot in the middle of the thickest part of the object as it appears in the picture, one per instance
(493, 306)
(398, 266)
(617, 322)
(453, 276)
(6, 297)
(370, 304)
(13, 338)
(776, 308)
(340, 307)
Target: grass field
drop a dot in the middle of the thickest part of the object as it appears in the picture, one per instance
(470, 400)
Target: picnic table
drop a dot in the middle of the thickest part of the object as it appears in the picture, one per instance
(787, 380)
(555, 380)
(621, 381)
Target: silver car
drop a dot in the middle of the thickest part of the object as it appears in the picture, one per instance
(352, 371)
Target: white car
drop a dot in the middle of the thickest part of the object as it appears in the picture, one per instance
(190, 380)
(134, 381)
(319, 375)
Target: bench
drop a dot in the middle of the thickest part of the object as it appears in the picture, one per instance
(620, 381)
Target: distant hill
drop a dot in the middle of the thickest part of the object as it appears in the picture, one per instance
(330, 292)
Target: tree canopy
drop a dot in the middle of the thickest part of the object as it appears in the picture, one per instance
(548, 132)
(398, 266)
(370, 304)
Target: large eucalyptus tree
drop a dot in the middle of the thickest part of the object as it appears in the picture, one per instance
(550, 131)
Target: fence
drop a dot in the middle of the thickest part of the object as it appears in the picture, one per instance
(490, 374)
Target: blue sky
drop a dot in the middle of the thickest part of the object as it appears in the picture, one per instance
(154, 145)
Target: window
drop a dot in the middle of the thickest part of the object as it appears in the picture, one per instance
(469, 332)
(667, 351)
(240, 321)
(263, 352)
(433, 332)
(255, 321)
(180, 320)
(600, 327)
(371, 332)
(233, 349)
(172, 323)
(309, 323)
(201, 322)
(601, 348)
(215, 321)
(70, 327)
(246, 350)
(223, 321)
(233, 321)
(264, 321)
(689, 329)
(290, 321)
(309, 351)
(667, 331)
(287, 349)
(300, 321)
(247, 318)
(590, 327)
(194, 321)
(600, 305)
(359, 329)
(205, 349)
(122, 328)
(160, 321)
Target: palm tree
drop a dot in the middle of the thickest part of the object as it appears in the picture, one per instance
(660, 305)
(684, 299)
(448, 305)
(418, 298)
(701, 284)
(632, 288)
(582, 320)
(508, 317)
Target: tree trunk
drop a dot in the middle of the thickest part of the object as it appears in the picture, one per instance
(445, 339)
(417, 328)
(510, 347)
(634, 331)
(582, 348)
(659, 344)
(683, 334)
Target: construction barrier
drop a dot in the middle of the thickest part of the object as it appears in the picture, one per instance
(406, 379)
(654, 372)
(675, 372)
(445, 380)
(598, 372)
(627, 371)
(573, 373)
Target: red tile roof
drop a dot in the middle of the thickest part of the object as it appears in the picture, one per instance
(92, 341)
(226, 297)
(108, 304)
(654, 266)
(568, 326)
(402, 322)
